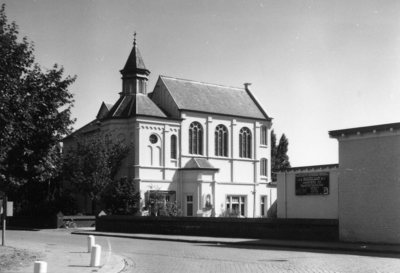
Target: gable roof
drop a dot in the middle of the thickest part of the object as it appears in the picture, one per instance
(211, 98)
(134, 104)
(198, 164)
(104, 109)
(90, 127)
(135, 61)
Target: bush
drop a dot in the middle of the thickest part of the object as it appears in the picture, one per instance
(170, 209)
(63, 201)
(122, 197)
(235, 213)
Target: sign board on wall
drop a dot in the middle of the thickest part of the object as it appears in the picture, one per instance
(312, 183)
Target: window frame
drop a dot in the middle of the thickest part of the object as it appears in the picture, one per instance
(264, 167)
(221, 140)
(242, 204)
(245, 143)
(187, 202)
(264, 205)
(263, 135)
(196, 138)
(174, 141)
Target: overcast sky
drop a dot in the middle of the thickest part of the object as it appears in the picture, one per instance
(315, 66)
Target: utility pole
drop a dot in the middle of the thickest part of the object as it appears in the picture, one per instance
(3, 198)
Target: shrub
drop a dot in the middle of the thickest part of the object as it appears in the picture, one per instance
(235, 213)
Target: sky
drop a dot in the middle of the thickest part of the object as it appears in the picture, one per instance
(315, 66)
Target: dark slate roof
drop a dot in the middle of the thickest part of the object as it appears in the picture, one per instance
(135, 61)
(198, 163)
(211, 98)
(367, 129)
(135, 104)
(88, 128)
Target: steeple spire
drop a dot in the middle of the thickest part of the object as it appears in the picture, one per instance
(134, 74)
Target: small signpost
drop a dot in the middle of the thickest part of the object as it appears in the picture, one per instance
(6, 209)
(3, 205)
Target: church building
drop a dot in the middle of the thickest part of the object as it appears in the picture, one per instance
(205, 146)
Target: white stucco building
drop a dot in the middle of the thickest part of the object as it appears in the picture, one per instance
(193, 141)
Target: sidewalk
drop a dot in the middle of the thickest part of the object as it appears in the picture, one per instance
(67, 260)
(327, 246)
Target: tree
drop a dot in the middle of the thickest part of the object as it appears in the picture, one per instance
(35, 112)
(122, 197)
(93, 164)
(279, 157)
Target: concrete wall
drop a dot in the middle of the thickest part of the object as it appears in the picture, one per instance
(283, 229)
(369, 192)
(291, 205)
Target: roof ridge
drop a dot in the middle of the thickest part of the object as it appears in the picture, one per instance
(205, 83)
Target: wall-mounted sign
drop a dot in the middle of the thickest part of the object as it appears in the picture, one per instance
(312, 183)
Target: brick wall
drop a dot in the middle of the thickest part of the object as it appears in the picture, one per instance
(369, 188)
(261, 228)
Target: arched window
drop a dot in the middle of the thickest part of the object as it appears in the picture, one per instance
(263, 167)
(195, 139)
(173, 146)
(245, 143)
(263, 137)
(221, 140)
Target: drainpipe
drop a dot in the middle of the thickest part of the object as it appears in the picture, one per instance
(254, 201)
(285, 186)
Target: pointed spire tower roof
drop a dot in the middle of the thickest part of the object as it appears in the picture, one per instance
(133, 100)
(135, 61)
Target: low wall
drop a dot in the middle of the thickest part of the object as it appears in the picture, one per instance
(31, 222)
(81, 221)
(259, 228)
(50, 222)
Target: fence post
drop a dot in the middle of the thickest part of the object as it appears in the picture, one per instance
(90, 243)
(59, 219)
(95, 257)
(40, 267)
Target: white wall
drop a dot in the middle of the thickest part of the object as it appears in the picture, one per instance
(370, 187)
(291, 205)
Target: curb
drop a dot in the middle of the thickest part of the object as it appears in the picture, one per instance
(285, 244)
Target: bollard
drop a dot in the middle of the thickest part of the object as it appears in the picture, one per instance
(90, 241)
(95, 257)
(40, 267)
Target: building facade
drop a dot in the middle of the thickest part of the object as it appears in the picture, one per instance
(309, 192)
(202, 145)
(369, 188)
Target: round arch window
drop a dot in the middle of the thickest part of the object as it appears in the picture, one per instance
(153, 139)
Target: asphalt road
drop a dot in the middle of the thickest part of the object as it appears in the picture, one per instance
(164, 256)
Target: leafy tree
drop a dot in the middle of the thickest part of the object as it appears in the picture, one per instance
(122, 197)
(93, 164)
(35, 112)
(279, 157)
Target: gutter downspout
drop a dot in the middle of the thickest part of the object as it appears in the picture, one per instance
(285, 191)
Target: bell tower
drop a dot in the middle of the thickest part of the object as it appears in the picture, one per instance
(134, 75)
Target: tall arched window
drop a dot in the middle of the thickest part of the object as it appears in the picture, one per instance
(173, 146)
(221, 140)
(195, 139)
(264, 167)
(245, 143)
(263, 137)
